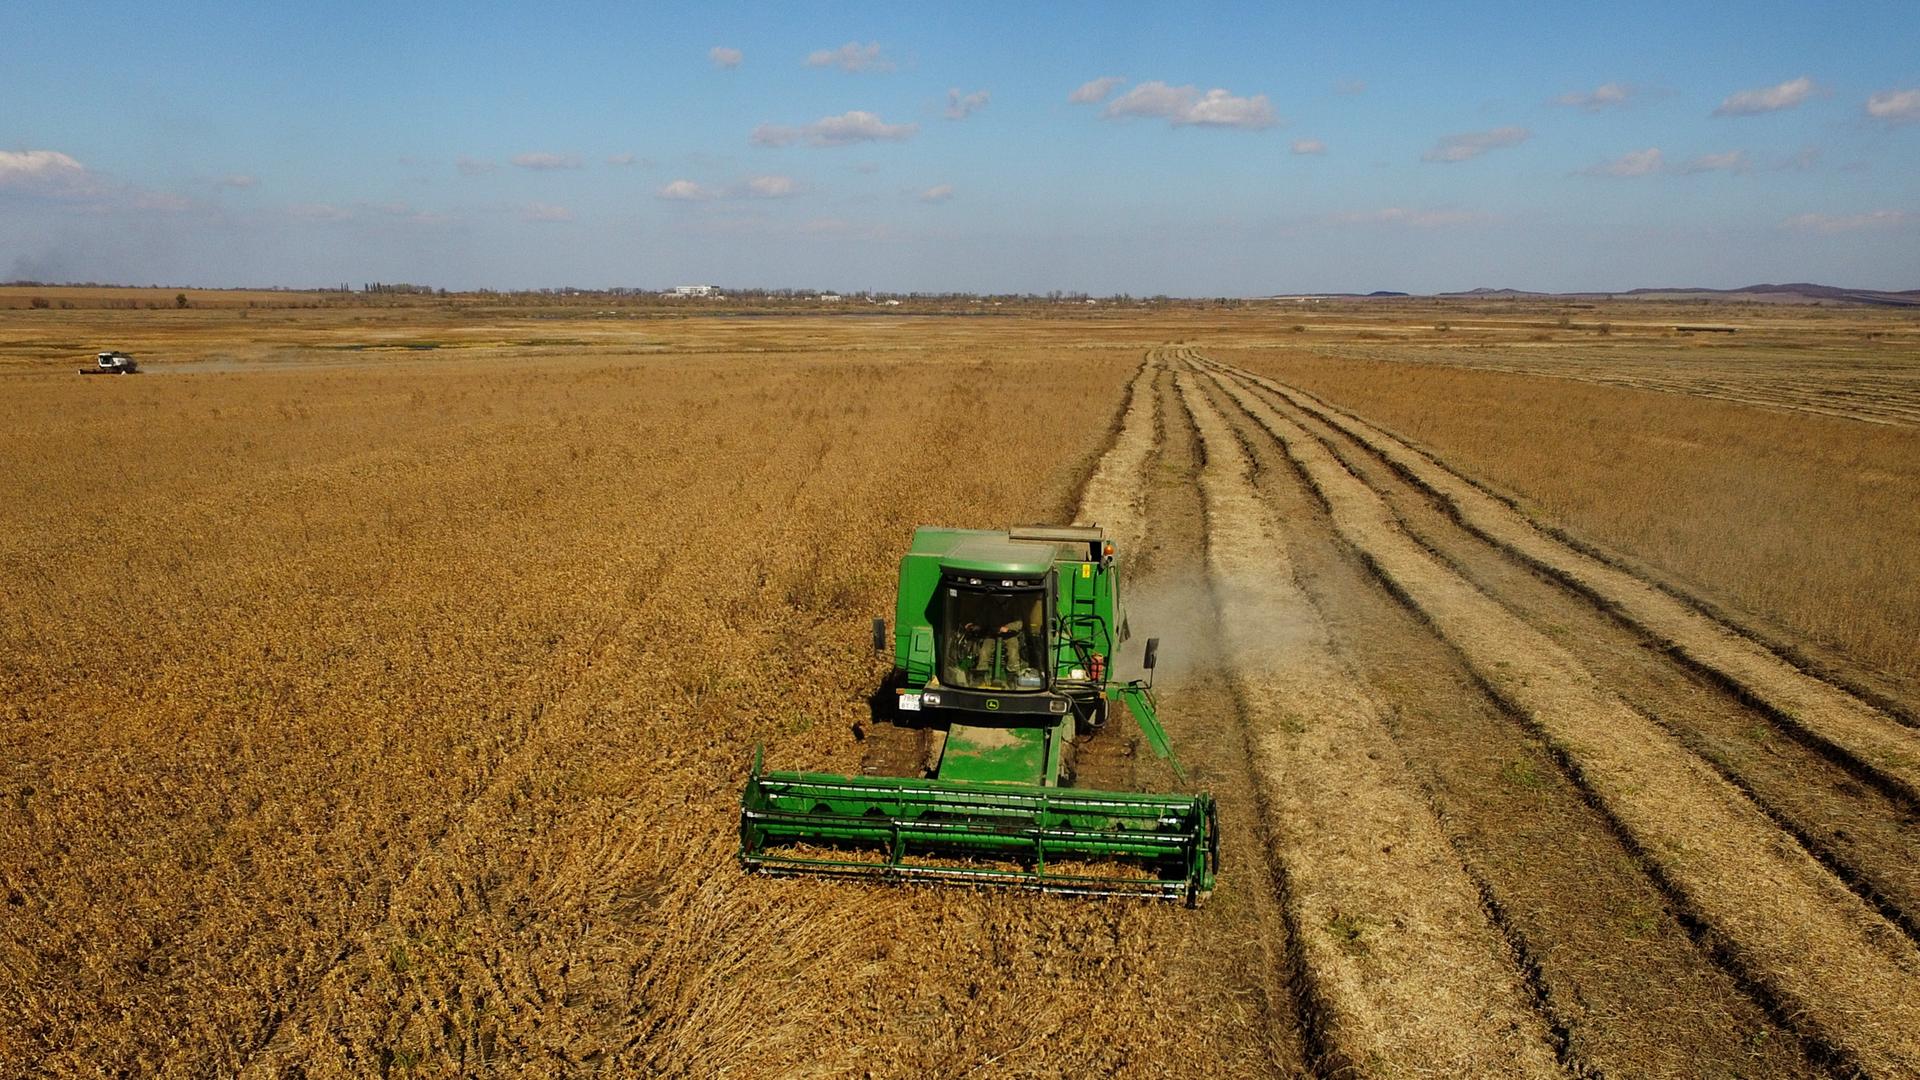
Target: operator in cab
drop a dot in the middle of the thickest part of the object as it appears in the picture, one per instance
(999, 644)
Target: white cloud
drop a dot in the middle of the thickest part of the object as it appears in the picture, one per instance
(1600, 98)
(622, 159)
(1767, 99)
(1471, 144)
(1221, 109)
(40, 169)
(1350, 87)
(1731, 161)
(1309, 146)
(1651, 161)
(775, 135)
(237, 181)
(768, 186)
(1094, 91)
(937, 193)
(546, 162)
(474, 166)
(1632, 163)
(960, 106)
(1877, 219)
(685, 191)
(545, 212)
(724, 57)
(843, 130)
(1410, 218)
(59, 177)
(772, 187)
(1183, 106)
(1895, 106)
(853, 57)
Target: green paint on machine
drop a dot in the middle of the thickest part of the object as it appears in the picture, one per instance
(1007, 642)
(999, 754)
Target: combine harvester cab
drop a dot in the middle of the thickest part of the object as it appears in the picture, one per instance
(1004, 650)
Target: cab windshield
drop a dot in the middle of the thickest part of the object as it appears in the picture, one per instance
(993, 640)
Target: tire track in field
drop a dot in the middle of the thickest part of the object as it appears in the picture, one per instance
(1240, 941)
(1401, 961)
(1616, 969)
(1115, 494)
(1817, 661)
(1858, 830)
(1869, 740)
(1846, 975)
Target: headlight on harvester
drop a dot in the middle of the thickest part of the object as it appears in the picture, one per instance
(930, 698)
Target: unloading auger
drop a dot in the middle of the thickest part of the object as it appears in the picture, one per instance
(1004, 647)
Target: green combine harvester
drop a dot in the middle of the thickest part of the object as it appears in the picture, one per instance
(985, 760)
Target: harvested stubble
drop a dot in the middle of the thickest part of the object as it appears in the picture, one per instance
(1875, 380)
(1411, 975)
(1824, 713)
(1732, 703)
(1803, 519)
(1623, 985)
(359, 720)
(1791, 926)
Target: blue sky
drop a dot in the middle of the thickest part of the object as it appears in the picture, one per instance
(1231, 150)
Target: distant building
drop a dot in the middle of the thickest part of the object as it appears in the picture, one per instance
(696, 290)
(830, 297)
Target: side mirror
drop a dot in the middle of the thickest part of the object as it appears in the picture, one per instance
(1153, 654)
(880, 635)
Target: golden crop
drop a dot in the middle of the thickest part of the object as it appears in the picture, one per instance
(377, 681)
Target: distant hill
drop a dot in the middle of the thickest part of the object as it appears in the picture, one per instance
(1484, 293)
(1793, 292)
(1797, 292)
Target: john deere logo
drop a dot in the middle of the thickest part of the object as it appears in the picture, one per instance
(993, 703)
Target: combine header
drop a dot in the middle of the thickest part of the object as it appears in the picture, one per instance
(1004, 649)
